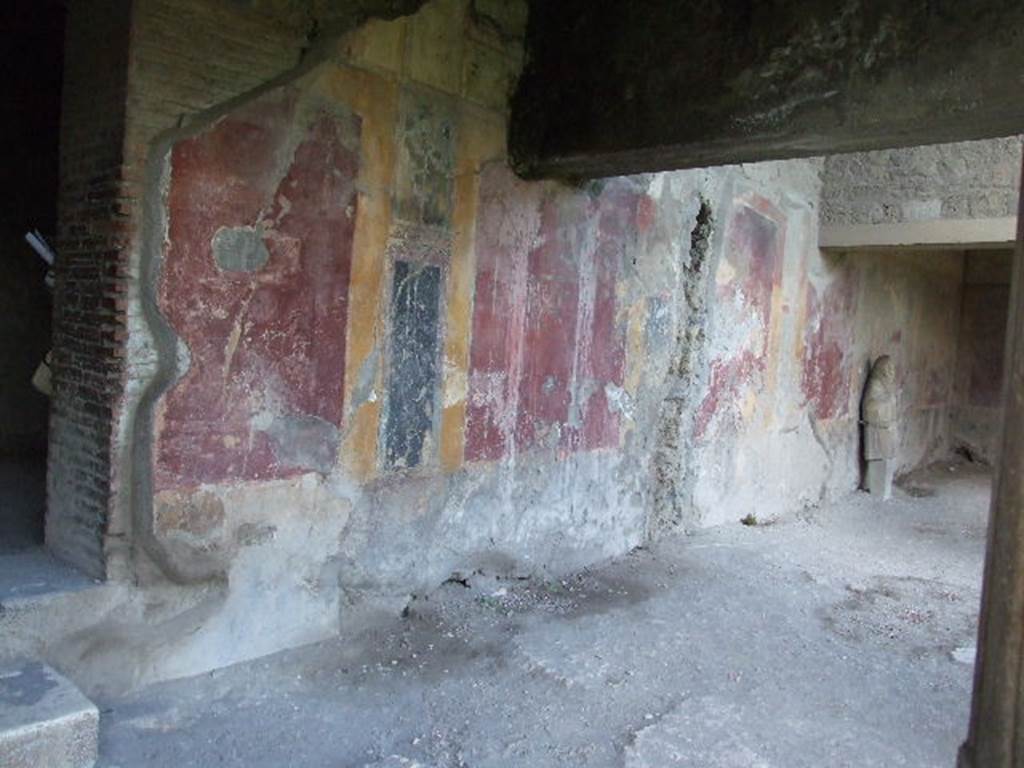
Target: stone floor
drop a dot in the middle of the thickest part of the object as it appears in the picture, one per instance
(838, 637)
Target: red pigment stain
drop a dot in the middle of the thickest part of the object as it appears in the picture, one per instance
(828, 333)
(264, 343)
(602, 349)
(755, 247)
(645, 213)
(728, 377)
(755, 243)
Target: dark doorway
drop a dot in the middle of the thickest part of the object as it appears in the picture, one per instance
(32, 65)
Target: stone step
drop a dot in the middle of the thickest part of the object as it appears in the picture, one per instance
(42, 603)
(44, 719)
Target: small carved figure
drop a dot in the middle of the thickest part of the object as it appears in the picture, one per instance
(880, 436)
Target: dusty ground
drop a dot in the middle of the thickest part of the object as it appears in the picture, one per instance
(828, 639)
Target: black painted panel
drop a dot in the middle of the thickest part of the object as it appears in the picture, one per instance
(413, 376)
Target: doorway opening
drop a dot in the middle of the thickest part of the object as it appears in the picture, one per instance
(33, 62)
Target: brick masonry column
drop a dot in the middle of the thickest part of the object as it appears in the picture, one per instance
(89, 316)
(996, 735)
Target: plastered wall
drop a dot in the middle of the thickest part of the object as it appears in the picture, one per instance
(977, 415)
(909, 308)
(791, 338)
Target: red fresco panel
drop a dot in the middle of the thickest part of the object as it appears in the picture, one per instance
(545, 317)
(727, 377)
(549, 334)
(264, 342)
(506, 228)
(621, 214)
(755, 236)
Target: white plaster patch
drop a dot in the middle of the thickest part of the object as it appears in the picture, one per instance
(922, 210)
(765, 473)
(456, 383)
(261, 421)
(619, 400)
(285, 204)
(965, 654)
(656, 185)
(725, 273)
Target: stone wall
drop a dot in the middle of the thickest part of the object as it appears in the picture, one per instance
(187, 58)
(939, 185)
(771, 404)
(132, 71)
(909, 308)
(966, 180)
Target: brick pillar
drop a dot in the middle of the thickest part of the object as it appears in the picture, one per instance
(88, 320)
(996, 735)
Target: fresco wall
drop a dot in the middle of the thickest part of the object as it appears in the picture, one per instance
(383, 359)
(777, 429)
(909, 308)
(772, 431)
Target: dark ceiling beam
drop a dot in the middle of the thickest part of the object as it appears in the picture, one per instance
(618, 87)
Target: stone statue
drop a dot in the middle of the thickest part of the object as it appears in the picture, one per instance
(880, 411)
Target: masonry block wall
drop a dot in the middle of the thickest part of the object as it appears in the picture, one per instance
(393, 360)
(965, 180)
(187, 57)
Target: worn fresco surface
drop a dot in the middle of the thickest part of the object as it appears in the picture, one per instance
(261, 212)
(828, 343)
(394, 361)
(748, 277)
(548, 347)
